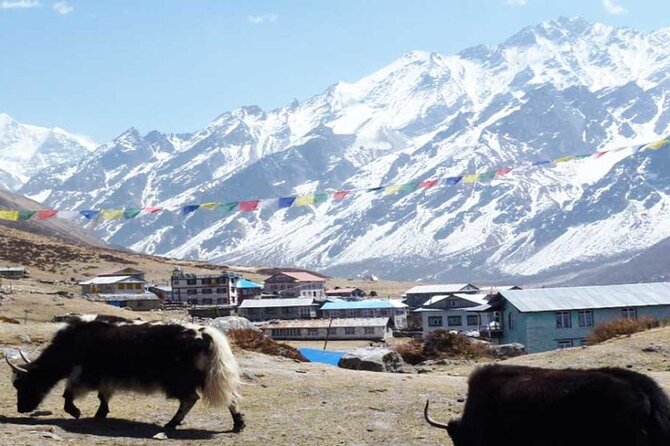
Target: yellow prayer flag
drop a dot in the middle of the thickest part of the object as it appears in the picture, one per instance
(112, 214)
(392, 189)
(658, 144)
(472, 178)
(9, 215)
(304, 201)
(563, 159)
(210, 206)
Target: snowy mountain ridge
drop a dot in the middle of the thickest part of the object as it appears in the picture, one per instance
(560, 88)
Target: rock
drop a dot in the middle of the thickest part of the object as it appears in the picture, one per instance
(651, 348)
(41, 413)
(160, 436)
(250, 377)
(374, 359)
(51, 435)
(505, 351)
(232, 323)
(25, 338)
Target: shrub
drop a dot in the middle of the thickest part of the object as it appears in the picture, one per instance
(442, 343)
(411, 352)
(620, 327)
(255, 341)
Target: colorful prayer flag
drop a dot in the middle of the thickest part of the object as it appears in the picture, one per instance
(227, 207)
(541, 163)
(487, 176)
(112, 214)
(409, 187)
(392, 189)
(375, 189)
(249, 205)
(504, 171)
(305, 200)
(152, 210)
(320, 198)
(130, 213)
(43, 215)
(340, 195)
(210, 206)
(563, 159)
(90, 214)
(185, 210)
(427, 184)
(26, 215)
(452, 181)
(599, 154)
(658, 144)
(472, 178)
(9, 215)
(285, 202)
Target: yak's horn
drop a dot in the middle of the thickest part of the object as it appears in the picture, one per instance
(24, 357)
(430, 420)
(16, 368)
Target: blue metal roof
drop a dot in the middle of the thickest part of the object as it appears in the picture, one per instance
(370, 304)
(244, 283)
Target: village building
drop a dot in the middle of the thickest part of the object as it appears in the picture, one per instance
(204, 289)
(124, 284)
(295, 284)
(246, 289)
(419, 295)
(127, 271)
(345, 293)
(373, 329)
(550, 318)
(13, 272)
(370, 308)
(278, 308)
(144, 301)
(469, 313)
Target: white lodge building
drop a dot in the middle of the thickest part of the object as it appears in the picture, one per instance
(194, 289)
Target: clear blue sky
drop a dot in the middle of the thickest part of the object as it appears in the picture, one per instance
(97, 67)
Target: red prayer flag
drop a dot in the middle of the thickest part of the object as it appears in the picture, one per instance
(152, 210)
(43, 215)
(599, 154)
(340, 195)
(428, 183)
(503, 171)
(248, 206)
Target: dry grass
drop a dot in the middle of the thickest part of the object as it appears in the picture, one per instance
(441, 344)
(620, 327)
(255, 341)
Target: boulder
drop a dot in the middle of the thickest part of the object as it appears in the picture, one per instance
(374, 359)
(505, 351)
(228, 323)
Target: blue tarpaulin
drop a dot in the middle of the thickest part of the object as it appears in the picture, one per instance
(323, 356)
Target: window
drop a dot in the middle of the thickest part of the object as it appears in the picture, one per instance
(351, 313)
(220, 291)
(193, 301)
(220, 301)
(563, 320)
(454, 321)
(270, 310)
(585, 318)
(206, 291)
(369, 330)
(349, 330)
(452, 303)
(191, 292)
(286, 310)
(332, 331)
(564, 343)
(207, 301)
(286, 332)
(629, 313)
(304, 312)
(190, 281)
(434, 321)
(473, 320)
(206, 281)
(313, 331)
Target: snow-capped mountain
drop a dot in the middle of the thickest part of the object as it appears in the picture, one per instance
(27, 149)
(560, 88)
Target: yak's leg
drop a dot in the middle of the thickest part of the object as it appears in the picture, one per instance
(69, 403)
(238, 418)
(103, 409)
(185, 406)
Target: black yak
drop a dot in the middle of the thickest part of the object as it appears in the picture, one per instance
(526, 406)
(108, 354)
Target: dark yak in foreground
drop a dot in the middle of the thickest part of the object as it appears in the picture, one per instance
(525, 406)
(107, 354)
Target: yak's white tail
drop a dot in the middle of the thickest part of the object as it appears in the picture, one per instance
(223, 382)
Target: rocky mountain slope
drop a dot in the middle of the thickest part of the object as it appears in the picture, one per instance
(560, 88)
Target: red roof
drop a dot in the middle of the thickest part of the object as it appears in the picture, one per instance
(303, 277)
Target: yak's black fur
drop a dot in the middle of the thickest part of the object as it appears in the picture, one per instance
(526, 406)
(110, 353)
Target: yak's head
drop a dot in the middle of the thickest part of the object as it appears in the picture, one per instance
(452, 428)
(29, 388)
